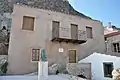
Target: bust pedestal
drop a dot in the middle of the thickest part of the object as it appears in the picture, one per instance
(43, 70)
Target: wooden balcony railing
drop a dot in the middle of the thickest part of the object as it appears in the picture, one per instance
(63, 34)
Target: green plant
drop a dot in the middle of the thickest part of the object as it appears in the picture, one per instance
(3, 68)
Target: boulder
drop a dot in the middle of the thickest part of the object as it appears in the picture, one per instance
(79, 70)
(116, 74)
(54, 69)
(70, 77)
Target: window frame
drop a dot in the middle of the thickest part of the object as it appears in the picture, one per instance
(116, 47)
(76, 27)
(23, 28)
(91, 37)
(38, 55)
(75, 55)
(105, 72)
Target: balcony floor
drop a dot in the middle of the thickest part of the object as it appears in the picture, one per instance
(69, 40)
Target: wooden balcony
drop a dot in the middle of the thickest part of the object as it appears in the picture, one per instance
(68, 35)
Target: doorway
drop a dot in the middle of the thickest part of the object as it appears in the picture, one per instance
(72, 56)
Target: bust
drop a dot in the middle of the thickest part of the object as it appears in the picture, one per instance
(43, 55)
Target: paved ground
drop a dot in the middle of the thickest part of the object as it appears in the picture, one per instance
(18, 78)
(54, 77)
(35, 77)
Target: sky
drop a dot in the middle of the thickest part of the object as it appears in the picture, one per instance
(103, 10)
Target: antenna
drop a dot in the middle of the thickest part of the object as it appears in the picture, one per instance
(109, 24)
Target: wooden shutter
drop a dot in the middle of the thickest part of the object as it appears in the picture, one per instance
(72, 56)
(55, 29)
(28, 23)
(89, 32)
(74, 31)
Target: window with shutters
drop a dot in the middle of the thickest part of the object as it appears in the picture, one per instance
(55, 30)
(116, 47)
(89, 32)
(72, 56)
(28, 23)
(108, 68)
(35, 54)
(74, 31)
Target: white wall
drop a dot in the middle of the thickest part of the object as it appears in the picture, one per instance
(96, 61)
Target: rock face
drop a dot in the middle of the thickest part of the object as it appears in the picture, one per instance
(116, 74)
(79, 69)
(5, 6)
(53, 69)
(62, 6)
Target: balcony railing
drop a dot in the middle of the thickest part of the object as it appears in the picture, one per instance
(67, 35)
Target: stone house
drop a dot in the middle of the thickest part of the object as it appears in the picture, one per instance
(112, 42)
(65, 34)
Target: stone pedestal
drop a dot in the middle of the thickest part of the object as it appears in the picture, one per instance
(43, 70)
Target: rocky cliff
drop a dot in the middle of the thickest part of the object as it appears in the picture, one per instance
(62, 6)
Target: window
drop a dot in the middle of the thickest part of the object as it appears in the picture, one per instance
(74, 31)
(105, 38)
(55, 23)
(55, 30)
(116, 47)
(28, 23)
(89, 32)
(35, 54)
(72, 56)
(108, 68)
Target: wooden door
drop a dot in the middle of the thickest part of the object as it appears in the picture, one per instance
(72, 56)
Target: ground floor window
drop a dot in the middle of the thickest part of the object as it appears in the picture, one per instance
(108, 68)
(72, 56)
(35, 54)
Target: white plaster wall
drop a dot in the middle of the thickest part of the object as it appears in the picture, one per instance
(96, 61)
(22, 41)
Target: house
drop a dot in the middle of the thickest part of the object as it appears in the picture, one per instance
(102, 65)
(112, 42)
(67, 35)
(110, 29)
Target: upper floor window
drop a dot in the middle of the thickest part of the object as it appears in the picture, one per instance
(74, 31)
(105, 38)
(55, 28)
(28, 23)
(89, 32)
(116, 47)
(55, 23)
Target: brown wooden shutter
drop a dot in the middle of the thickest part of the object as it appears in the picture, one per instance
(55, 29)
(74, 31)
(28, 23)
(72, 56)
(89, 32)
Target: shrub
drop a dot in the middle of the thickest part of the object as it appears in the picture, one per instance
(3, 68)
